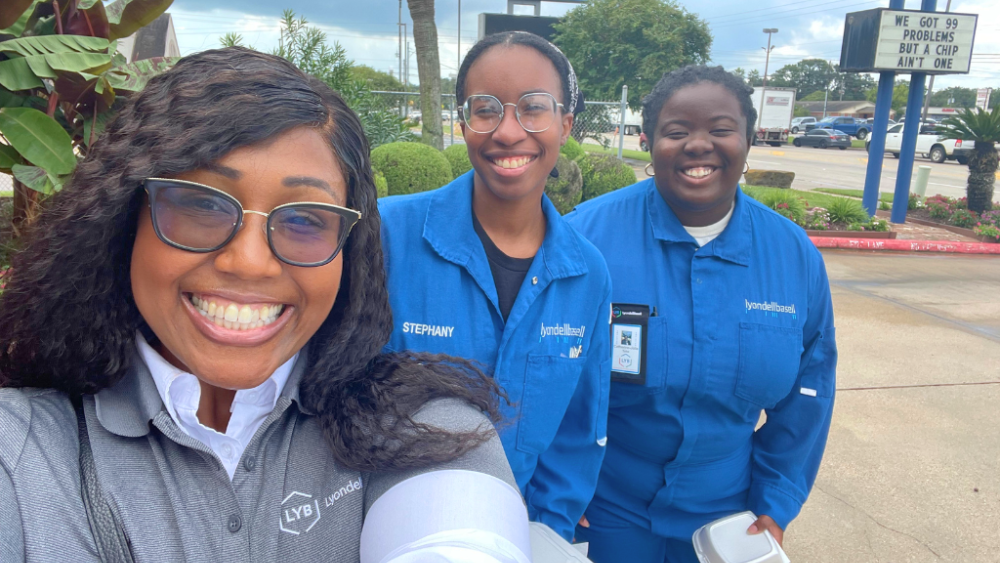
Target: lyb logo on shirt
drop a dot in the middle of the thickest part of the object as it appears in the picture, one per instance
(428, 330)
(773, 308)
(300, 512)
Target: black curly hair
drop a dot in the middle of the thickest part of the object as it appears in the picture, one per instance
(536, 42)
(68, 315)
(673, 81)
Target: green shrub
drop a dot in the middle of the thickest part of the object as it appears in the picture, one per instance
(847, 211)
(381, 186)
(604, 174)
(753, 192)
(572, 149)
(878, 224)
(964, 218)
(411, 167)
(787, 204)
(458, 157)
(566, 190)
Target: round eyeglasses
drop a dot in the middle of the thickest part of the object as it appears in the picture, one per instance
(200, 218)
(535, 112)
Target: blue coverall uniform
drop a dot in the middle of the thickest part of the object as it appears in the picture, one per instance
(551, 355)
(742, 324)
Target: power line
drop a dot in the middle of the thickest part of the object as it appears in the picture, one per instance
(769, 18)
(777, 9)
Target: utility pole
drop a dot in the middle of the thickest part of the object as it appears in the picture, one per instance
(767, 61)
(826, 95)
(399, 32)
(930, 87)
(457, 68)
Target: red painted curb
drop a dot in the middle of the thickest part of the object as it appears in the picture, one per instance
(908, 245)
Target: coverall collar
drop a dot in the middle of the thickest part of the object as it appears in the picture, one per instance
(448, 228)
(733, 245)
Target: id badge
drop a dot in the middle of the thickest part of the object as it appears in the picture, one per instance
(629, 323)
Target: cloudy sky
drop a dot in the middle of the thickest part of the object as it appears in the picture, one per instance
(367, 29)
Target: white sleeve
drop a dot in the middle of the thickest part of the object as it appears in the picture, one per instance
(450, 516)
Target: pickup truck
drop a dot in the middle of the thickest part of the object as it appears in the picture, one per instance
(929, 144)
(848, 125)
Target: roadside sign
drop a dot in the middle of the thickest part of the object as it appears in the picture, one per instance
(908, 41)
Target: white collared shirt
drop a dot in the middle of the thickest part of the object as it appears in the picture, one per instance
(181, 395)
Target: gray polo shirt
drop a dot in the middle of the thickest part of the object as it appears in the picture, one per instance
(289, 499)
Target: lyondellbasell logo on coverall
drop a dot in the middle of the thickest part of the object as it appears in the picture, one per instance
(773, 308)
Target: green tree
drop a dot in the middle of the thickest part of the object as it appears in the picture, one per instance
(806, 76)
(61, 80)
(616, 42)
(816, 96)
(963, 97)
(376, 79)
(425, 39)
(754, 78)
(983, 127)
(307, 47)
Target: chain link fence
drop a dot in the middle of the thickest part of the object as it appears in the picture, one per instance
(6, 184)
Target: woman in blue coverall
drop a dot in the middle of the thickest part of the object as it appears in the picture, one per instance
(485, 268)
(721, 309)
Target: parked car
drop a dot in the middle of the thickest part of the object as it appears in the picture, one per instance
(800, 123)
(929, 144)
(849, 125)
(871, 121)
(643, 142)
(824, 138)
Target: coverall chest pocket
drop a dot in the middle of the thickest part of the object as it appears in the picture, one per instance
(769, 362)
(549, 384)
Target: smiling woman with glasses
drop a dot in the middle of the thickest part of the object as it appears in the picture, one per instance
(191, 362)
(485, 268)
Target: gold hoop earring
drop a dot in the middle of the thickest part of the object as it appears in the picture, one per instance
(747, 164)
(648, 173)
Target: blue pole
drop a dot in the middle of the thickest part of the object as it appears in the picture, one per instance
(876, 147)
(911, 129)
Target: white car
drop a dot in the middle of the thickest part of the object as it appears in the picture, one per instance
(799, 123)
(929, 144)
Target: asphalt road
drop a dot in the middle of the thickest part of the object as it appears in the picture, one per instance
(833, 168)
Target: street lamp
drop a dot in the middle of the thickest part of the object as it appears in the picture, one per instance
(767, 60)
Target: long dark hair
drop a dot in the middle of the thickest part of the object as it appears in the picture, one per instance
(68, 316)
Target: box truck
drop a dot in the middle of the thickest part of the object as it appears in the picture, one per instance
(775, 119)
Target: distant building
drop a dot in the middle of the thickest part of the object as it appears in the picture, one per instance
(157, 39)
(861, 109)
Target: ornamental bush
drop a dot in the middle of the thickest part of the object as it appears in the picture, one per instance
(381, 186)
(787, 204)
(964, 218)
(847, 211)
(411, 168)
(566, 190)
(604, 174)
(458, 157)
(572, 150)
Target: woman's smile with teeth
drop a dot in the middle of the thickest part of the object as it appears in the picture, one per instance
(236, 316)
(514, 162)
(699, 172)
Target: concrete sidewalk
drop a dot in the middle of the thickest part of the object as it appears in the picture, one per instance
(912, 468)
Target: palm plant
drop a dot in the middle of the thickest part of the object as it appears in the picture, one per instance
(983, 127)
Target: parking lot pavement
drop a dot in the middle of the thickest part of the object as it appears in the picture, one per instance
(912, 466)
(832, 168)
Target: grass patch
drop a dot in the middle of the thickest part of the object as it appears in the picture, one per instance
(636, 155)
(886, 197)
(6, 194)
(814, 199)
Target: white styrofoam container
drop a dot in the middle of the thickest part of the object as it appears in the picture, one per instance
(726, 541)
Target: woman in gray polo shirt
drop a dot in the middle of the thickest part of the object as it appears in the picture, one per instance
(190, 350)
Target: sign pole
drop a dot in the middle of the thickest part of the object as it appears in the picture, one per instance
(911, 129)
(876, 148)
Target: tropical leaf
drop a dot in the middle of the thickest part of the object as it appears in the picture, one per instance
(8, 158)
(54, 44)
(128, 16)
(973, 125)
(39, 139)
(15, 74)
(87, 4)
(103, 118)
(134, 76)
(12, 10)
(89, 18)
(17, 28)
(34, 177)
